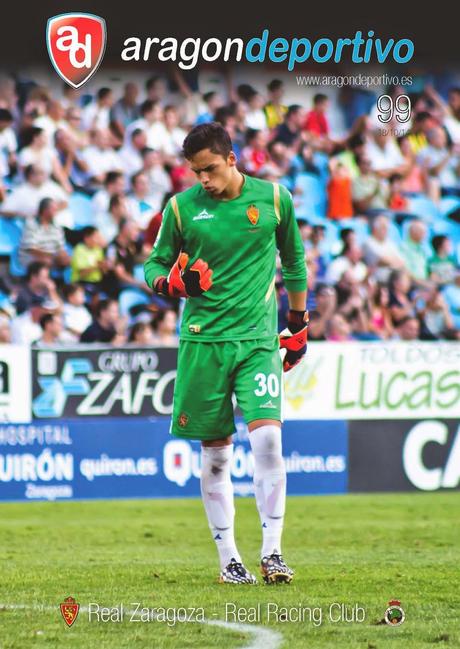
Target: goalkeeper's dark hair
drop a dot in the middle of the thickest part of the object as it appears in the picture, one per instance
(210, 136)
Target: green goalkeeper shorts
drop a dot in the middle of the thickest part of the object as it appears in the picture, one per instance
(209, 373)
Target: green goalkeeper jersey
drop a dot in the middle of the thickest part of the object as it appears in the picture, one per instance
(238, 239)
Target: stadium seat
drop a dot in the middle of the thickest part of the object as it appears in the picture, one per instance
(129, 298)
(310, 201)
(449, 204)
(82, 210)
(10, 235)
(424, 208)
(16, 269)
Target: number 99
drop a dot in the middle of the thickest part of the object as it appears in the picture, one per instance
(387, 108)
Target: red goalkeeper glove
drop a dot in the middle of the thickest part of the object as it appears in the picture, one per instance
(183, 282)
(296, 343)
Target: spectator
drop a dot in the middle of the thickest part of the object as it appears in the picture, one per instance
(338, 329)
(88, 261)
(339, 191)
(76, 317)
(254, 156)
(52, 120)
(37, 151)
(415, 254)
(414, 179)
(442, 265)
(289, 131)
(38, 286)
(316, 122)
(24, 200)
(25, 328)
(255, 116)
(397, 201)
(96, 115)
(109, 222)
(370, 195)
(213, 101)
(379, 317)
(43, 240)
(380, 253)
(407, 329)
(160, 182)
(155, 88)
(141, 334)
(384, 154)
(124, 253)
(349, 260)
(125, 110)
(5, 329)
(107, 326)
(452, 297)
(8, 144)
(114, 184)
(441, 165)
(165, 329)
(401, 306)
(274, 109)
(73, 165)
(141, 204)
(326, 303)
(100, 158)
(131, 153)
(437, 320)
(51, 325)
(174, 135)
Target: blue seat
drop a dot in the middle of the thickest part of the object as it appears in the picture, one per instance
(309, 197)
(10, 235)
(424, 208)
(449, 204)
(16, 268)
(131, 297)
(82, 210)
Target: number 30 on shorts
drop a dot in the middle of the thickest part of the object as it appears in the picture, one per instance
(266, 384)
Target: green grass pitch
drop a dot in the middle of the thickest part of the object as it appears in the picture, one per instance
(355, 549)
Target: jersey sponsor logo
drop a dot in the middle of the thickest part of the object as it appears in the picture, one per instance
(76, 45)
(203, 216)
(268, 404)
(253, 214)
(194, 329)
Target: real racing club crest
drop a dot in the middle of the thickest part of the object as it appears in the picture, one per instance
(69, 610)
(253, 214)
(76, 45)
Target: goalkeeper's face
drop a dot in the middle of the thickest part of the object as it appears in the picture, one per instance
(213, 170)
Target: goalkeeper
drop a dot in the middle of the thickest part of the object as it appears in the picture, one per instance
(217, 247)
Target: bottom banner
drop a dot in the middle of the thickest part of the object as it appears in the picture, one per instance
(137, 458)
(404, 455)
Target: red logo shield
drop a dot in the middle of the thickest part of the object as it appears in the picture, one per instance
(69, 610)
(253, 214)
(76, 45)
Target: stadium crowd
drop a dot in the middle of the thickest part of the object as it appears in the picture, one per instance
(83, 180)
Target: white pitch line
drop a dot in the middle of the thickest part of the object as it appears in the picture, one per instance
(263, 638)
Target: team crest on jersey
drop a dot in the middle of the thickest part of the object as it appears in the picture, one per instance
(253, 214)
(183, 420)
(76, 45)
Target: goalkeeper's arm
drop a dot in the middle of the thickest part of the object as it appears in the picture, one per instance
(167, 270)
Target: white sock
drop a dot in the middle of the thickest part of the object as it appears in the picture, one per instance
(269, 485)
(217, 495)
